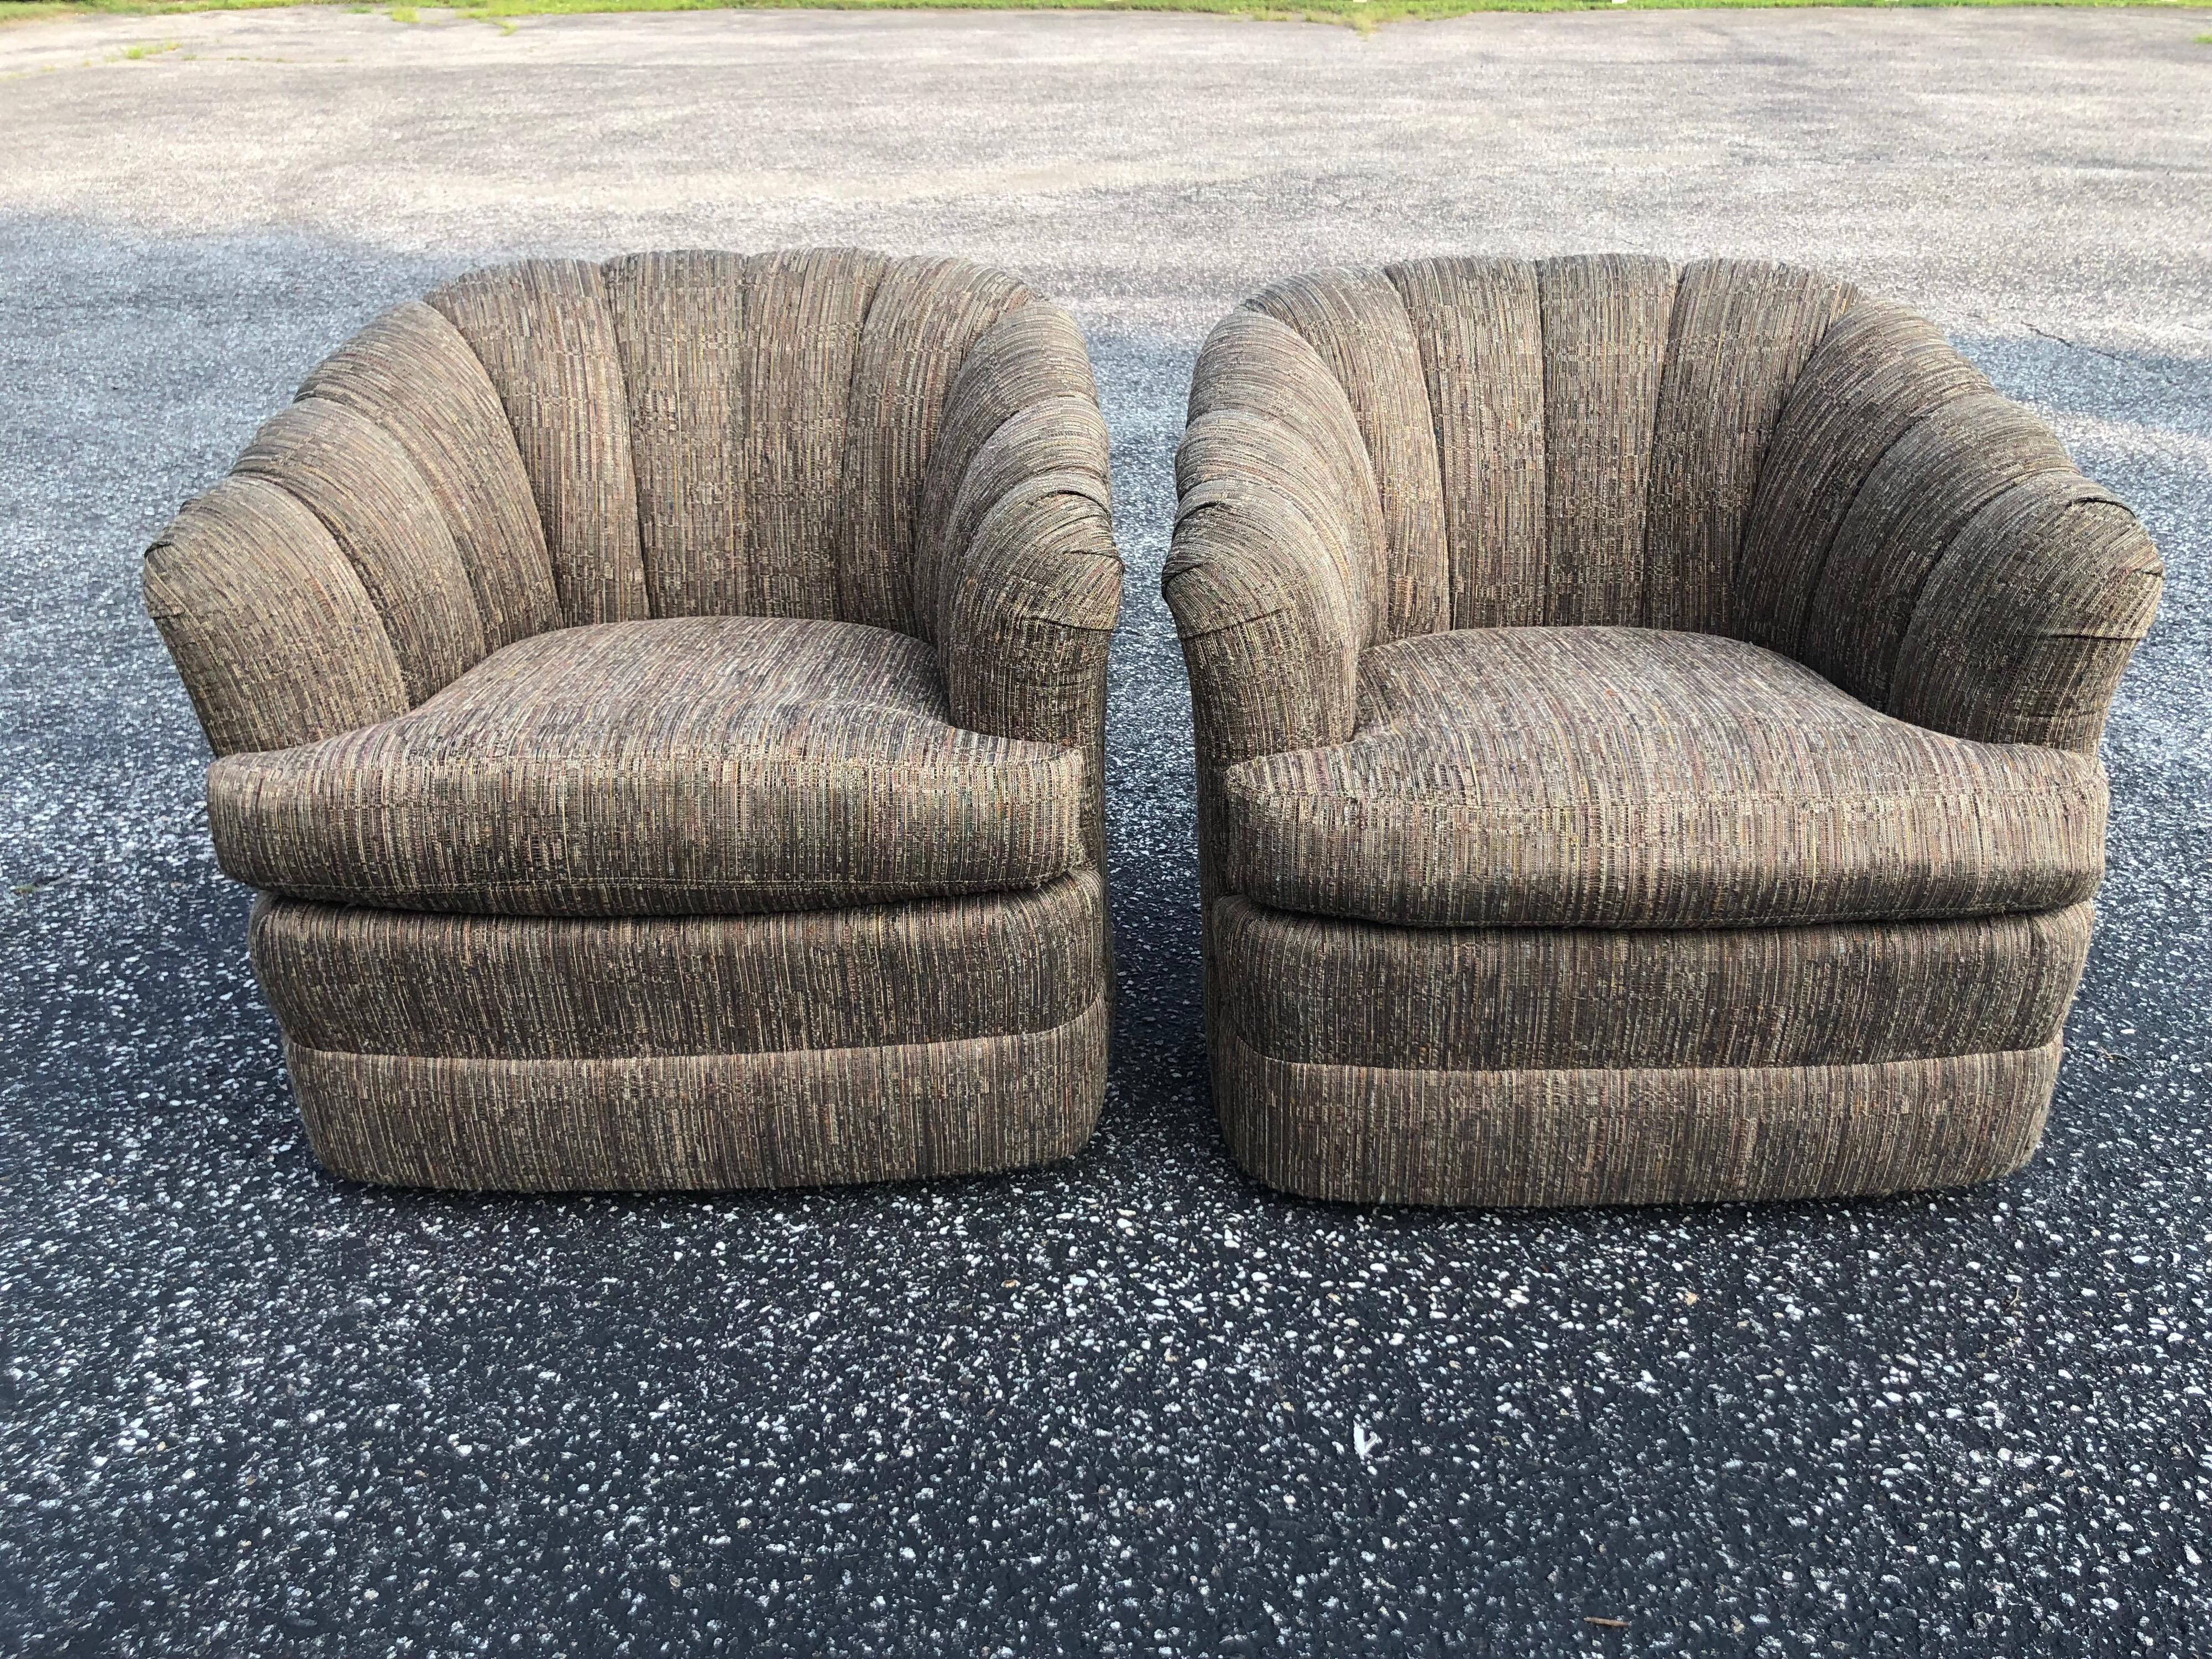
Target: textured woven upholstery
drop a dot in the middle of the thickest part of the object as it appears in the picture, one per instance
(668, 699)
(507, 987)
(695, 767)
(1617, 777)
(1647, 720)
(1319, 991)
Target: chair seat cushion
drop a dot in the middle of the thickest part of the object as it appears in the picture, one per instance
(708, 765)
(1621, 777)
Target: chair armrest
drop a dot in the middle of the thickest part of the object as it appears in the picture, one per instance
(2027, 621)
(1268, 639)
(277, 639)
(1277, 539)
(1928, 546)
(376, 539)
(1018, 579)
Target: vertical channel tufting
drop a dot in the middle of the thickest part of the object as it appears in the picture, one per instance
(542, 330)
(353, 475)
(1480, 329)
(1605, 317)
(1877, 370)
(1733, 422)
(1355, 321)
(1919, 495)
(1055, 447)
(1275, 577)
(1032, 354)
(679, 326)
(277, 640)
(1741, 333)
(445, 583)
(927, 314)
(804, 309)
(1030, 585)
(413, 374)
(1291, 414)
(2026, 623)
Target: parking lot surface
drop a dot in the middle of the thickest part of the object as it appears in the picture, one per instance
(1131, 1404)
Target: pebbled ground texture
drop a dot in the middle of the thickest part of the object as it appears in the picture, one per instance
(1131, 1404)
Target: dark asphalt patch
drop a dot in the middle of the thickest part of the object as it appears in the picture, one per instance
(1128, 1405)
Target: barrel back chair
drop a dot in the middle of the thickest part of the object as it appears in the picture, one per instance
(1647, 720)
(661, 705)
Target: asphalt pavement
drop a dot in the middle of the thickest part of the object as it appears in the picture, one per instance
(1131, 1404)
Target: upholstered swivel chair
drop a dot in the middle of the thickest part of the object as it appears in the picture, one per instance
(1647, 720)
(661, 704)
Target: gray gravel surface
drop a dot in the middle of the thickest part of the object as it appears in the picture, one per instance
(1131, 1404)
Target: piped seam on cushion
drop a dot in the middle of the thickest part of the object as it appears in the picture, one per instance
(1236, 1033)
(763, 1056)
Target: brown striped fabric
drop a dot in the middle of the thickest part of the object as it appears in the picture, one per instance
(698, 766)
(1265, 410)
(1238, 459)
(1628, 910)
(804, 311)
(1267, 640)
(1321, 990)
(277, 640)
(545, 336)
(1605, 353)
(1535, 777)
(663, 704)
(926, 315)
(799, 1117)
(1902, 519)
(1028, 612)
(1011, 570)
(1876, 373)
(679, 324)
(1479, 326)
(1054, 446)
(1740, 332)
(540, 987)
(697, 433)
(1622, 1135)
(1027, 609)
(356, 478)
(412, 372)
(1358, 327)
(1034, 355)
(2026, 625)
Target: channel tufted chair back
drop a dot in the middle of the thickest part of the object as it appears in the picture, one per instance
(1646, 724)
(1615, 439)
(824, 434)
(661, 705)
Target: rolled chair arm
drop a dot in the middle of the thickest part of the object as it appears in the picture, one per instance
(1017, 580)
(1271, 648)
(1928, 545)
(1274, 576)
(277, 639)
(376, 540)
(2027, 623)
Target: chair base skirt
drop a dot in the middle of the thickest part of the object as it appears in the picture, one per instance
(626, 1054)
(640, 1123)
(1535, 1067)
(1641, 1135)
